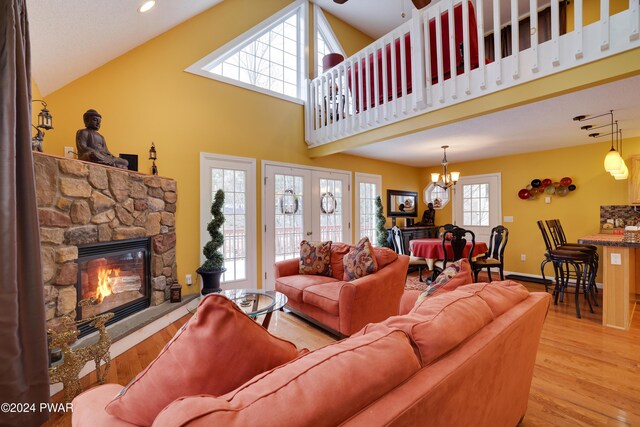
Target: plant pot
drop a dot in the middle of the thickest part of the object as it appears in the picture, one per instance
(211, 281)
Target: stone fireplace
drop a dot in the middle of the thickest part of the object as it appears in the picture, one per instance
(84, 207)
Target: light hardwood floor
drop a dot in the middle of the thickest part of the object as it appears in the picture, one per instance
(585, 374)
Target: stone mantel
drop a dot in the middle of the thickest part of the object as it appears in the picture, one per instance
(80, 203)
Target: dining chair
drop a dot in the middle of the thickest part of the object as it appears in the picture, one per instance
(398, 246)
(563, 261)
(456, 239)
(494, 258)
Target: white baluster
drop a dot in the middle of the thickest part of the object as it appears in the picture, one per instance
(555, 33)
(515, 39)
(634, 9)
(481, 52)
(440, 54)
(427, 57)
(453, 70)
(533, 21)
(417, 51)
(367, 70)
(577, 27)
(385, 82)
(497, 44)
(403, 70)
(376, 83)
(604, 24)
(466, 48)
(394, 74)
(361, 87)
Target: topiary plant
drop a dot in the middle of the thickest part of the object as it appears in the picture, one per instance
(381, 230)
(215, 258)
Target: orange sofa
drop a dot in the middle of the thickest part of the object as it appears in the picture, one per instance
(342, 307)
(463, 357)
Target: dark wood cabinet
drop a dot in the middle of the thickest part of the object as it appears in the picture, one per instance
(410, 233)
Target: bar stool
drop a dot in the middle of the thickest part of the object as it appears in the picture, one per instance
(560, 241)
(563, 262)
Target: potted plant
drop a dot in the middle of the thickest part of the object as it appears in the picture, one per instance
(213, 267)
(382, 235)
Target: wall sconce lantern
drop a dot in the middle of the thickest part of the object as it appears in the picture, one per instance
(447, 179)
(153, 155)
(45, 122)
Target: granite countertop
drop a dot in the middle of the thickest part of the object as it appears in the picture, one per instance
(607, 240)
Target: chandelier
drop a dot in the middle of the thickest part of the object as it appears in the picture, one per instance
(447, 179)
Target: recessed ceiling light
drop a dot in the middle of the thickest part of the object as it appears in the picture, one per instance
(147, 6)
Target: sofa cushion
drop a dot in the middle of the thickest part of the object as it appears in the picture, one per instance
(293, 286)
(440, 323)
(219, 349)
(88, 407)
(338, 251)
(326, 296)
(324, 387)
(315, 258)
(384, 256)
(454, 275)
(360, 261)
(500, 296)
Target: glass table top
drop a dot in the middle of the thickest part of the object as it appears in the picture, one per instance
(254, 302)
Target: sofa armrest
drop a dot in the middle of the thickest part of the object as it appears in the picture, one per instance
(288, 267)
(408, 301)
(373, 298)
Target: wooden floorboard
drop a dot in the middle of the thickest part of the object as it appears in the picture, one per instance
(585, 374)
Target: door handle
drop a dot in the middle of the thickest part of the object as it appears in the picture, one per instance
(309, 233)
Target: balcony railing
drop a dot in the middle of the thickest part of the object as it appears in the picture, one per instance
(438, 59)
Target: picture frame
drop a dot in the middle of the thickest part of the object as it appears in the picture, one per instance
(402, 203)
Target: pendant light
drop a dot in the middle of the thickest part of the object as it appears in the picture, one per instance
(624, 173)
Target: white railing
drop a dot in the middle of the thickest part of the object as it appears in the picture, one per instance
(410, 70)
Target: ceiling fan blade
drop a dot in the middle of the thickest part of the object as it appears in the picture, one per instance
(419, 4)
(340, 1)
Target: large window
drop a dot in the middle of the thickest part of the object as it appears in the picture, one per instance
(325, 40)
(368, 187)
(268, 58)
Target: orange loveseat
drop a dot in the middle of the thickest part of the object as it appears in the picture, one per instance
(342, 307)
(463, 357)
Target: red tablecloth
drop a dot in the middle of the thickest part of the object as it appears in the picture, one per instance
(432, 248)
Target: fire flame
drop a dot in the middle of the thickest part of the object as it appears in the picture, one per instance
(104, 287)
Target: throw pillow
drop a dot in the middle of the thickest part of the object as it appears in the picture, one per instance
(456, 274)
(360, 261)
(218, 350)
(315, 258)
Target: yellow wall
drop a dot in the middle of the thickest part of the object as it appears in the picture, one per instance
(352, 40)
(579, 211)
(591, 11)
(146, 96)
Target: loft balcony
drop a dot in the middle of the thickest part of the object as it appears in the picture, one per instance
(408, 72)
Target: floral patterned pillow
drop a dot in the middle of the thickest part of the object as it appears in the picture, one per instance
(456, 274)
(360, 261)
(315, 258)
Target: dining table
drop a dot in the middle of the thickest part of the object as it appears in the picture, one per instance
(431, 249)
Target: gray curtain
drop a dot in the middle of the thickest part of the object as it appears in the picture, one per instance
(524, 32)
(24, 375)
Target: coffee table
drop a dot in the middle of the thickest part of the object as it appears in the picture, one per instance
(256, 303)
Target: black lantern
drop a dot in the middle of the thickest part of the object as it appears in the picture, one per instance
(153, 155)
(45, 122)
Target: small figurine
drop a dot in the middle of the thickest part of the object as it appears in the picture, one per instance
(92, 146)
(429, 216)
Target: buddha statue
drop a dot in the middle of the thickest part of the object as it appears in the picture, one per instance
(92, 146)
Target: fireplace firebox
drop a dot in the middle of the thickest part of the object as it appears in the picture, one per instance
(114, 277)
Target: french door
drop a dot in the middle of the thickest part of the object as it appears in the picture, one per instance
(477, 204)
(302, 204)
(236, 176)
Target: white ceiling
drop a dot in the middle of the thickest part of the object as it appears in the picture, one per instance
(70, 38)
(539, 126)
